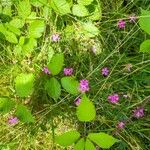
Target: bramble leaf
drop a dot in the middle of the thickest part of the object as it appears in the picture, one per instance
(80, 145)
(145, 46)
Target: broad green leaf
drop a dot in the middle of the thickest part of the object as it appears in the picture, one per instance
(6, 105)
(16, 22)
(103, 140)
(24, 9)
(86, 110)
(85, 2)
(89, 145)
(56, 63)
(60, 6)
(145, 46)
(21, 40)
(90, 29)
(70, 84)
(80, 145)
(144, 21)
(38, 3)
(80, 10)
(67, 138)
(29, 45)
(24, 114)
(11, 37)
(7, 10)
(13, 29)
(17, 50)
(53, 88)
(24, 84)
(36, 28)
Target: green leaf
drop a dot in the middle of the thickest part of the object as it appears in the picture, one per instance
(29, 45)
(60, 6)
(16, 22)
(144, 21)
(6, 105)
(70, 85)
(24, 84)
(36, 28)
(86, 110)
(85, 2)
(53, 88)
(145, 46)
(67, 138)
(80, 145)
(90, 29)
(89, 145)
(11, 37)
(38, 3)
(24, 114)
(13, 29)
(56, 63)
(103, 140)
(80, 10)
(24, 9)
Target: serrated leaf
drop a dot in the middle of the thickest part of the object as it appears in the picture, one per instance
(145, 46)
(144, 20)
(16, 22)
(6, 105)
(60, 6)
(29, 45)
(24, 84)
(70, 85)
(13, 29)
(89, 145)
(80, 10)
(24, 9)
(103, 140)
(24, 115)
(86, 110)
(36, 28)
(56, 64)
(80, 144)
(11, 37)
(53, 88)
(67, 138)
(89, 29)
(85, 2)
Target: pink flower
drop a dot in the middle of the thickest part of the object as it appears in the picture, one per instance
(84, 86)
(77, 101)
(113, 98)
(13, 120)
(46, 71)
(132, 18)
(68, 71)
(105, 71)
(55, 37)
(120, 125)
(138, 112)
(121, 24)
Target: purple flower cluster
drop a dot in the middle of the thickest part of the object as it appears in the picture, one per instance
(68, 71)
(105, 71)
(77, 101)
(55, 37)
(13, 120)
(46, 70)
(121, 24)
(138, 112)
(84, 86)
(120, 125)
(114, 98)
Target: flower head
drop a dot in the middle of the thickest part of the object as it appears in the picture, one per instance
(138, 112)
(55, 37)
(120, 125)
(128, 67)
(94, 49)
(105, 71)
(121, 24)
(132, 18)
(77, 101)
(46, 71)
(125, 96)
(13, 120)
(84, 86)
(68, 71)
(113, 98)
